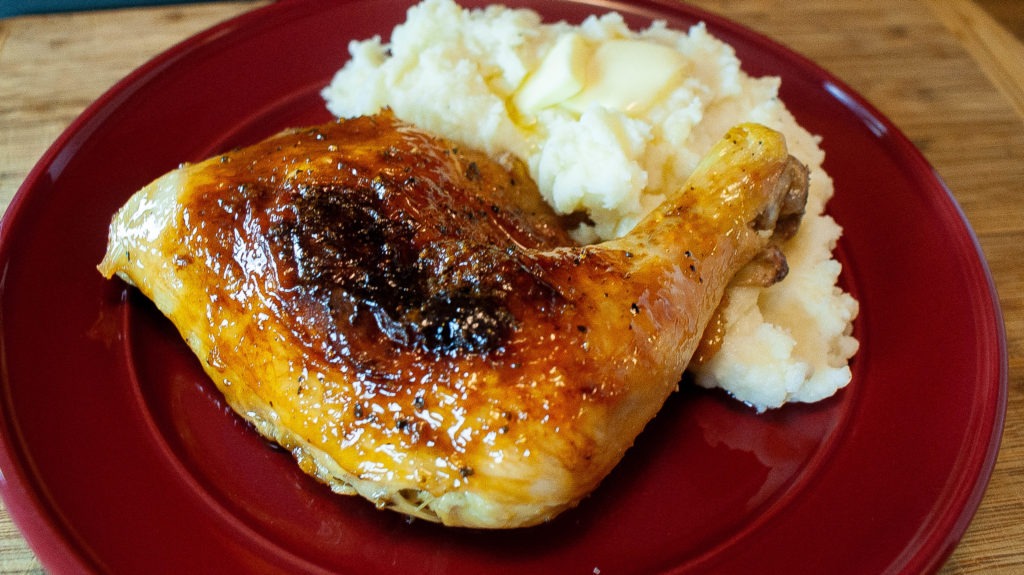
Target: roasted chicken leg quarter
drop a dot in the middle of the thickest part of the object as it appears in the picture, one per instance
(413, 323)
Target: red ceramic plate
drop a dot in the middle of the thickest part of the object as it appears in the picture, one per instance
(119, 456)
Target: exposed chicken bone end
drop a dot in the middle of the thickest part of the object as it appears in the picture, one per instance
(766, 269)
(783, 219)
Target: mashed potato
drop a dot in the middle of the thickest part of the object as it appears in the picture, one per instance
(502, 81)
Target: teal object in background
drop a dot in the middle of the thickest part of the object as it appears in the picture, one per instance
(16, 7)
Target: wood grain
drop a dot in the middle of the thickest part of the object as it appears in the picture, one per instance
(997, 51)
(941, 70)
(1008, 13)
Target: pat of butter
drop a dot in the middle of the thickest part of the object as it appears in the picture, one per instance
(560, 76)
(628, 75)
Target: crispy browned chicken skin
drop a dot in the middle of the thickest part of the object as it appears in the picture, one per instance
(414, 324)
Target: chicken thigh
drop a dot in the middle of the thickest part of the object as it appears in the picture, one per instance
(413, 323)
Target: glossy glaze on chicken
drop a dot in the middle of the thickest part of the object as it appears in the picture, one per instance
(410, 319)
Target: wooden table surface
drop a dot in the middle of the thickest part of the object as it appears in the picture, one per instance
(946, 73)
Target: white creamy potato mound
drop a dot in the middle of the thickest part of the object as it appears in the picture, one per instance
(609, 121)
